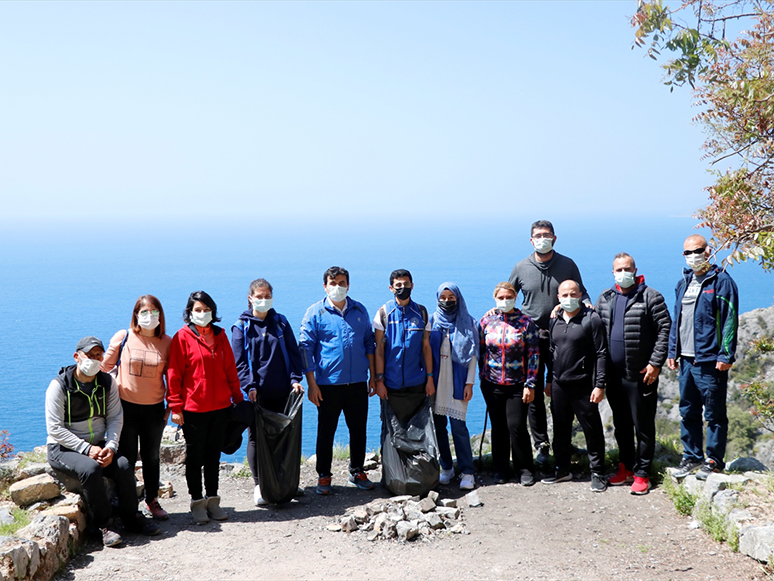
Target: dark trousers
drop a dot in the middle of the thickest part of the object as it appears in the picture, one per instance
(146, 423)
(90, 475)
(634, 412)
(702, 385)
(570, 402)
(352, 399)
(509, 427)
(538, 421)
(273, 405)
(205, 433)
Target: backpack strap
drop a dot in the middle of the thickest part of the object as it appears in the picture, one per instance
(423, 310)
(121, 349)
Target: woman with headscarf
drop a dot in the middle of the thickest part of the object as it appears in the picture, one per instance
(454, 342)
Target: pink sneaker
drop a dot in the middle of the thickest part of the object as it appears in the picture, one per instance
(623, 476)
(641, 485)
(156, 511)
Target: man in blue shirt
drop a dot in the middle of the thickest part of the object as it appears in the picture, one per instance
(404, 360)
(337, 356)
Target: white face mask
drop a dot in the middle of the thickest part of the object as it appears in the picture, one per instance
(624, 278)
(505, 305)
(336, 293)
(697, 262)
(201, 319)
(543, 245)
(89, 367)
(569, 304)
(262, 305)
(148, 322)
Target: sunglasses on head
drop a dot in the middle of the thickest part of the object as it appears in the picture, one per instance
(697, 251)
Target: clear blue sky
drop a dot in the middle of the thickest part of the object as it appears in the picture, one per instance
(305, 109)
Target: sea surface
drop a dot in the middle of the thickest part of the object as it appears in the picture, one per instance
(66, 280)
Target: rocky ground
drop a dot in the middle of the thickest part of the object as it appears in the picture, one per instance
(562, 531)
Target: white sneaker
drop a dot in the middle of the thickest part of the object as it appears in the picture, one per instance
(257, 498)
(467, 482)
(446, 475)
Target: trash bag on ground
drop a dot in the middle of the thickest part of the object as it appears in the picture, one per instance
(409, 454)
(240, 417)
(278, 449)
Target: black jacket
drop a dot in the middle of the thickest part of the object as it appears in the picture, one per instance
(646, 327)
(578, 348)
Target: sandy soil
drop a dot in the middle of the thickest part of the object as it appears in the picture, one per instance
(563, 531)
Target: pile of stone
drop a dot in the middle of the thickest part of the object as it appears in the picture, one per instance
(408, 518)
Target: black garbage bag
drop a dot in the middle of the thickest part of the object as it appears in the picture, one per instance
(241, 416)
(278, 449)
(410, 454)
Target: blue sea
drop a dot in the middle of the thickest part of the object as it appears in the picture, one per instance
(66, 280)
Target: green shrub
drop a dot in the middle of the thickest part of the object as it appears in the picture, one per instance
(340, 451)
(683, 500)
(21, 519)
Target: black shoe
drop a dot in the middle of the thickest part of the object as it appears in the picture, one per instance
(543, 458)
(559, 476)
(598, 482)
(499, 478)
(686, 467)
(143, 526)
(527, 479)
(708, 468)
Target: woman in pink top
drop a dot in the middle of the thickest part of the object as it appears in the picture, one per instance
(138, 357)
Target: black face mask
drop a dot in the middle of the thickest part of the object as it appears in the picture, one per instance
(447, 307)
(402, 293)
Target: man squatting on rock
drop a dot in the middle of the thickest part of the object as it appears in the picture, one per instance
(83, 420)
(577, 371)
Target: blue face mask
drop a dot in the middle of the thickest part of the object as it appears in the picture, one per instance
(262, 305)
(569, 304)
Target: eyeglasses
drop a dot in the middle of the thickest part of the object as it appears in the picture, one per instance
(146, 312)
(697, 251)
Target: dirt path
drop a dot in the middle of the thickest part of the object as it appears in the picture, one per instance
(545, 532)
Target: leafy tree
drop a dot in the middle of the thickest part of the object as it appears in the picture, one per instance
(733, 81)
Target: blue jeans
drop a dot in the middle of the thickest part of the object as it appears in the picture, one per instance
(461, 437)
(702, 385)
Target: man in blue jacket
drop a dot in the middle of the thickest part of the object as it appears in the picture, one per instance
(337, 356)
(703, 336)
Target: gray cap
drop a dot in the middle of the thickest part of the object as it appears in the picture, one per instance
(88, 343)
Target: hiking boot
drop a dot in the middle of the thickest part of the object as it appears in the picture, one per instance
(641, 485)
(324, 485)
(623, 476)
(598, 482)
(527, 478)
(543, 458)
(199, 511)
(467, 482)
(360, 480)
(446, 475)
(559, 476)
(257, 498)
(155, 510)
(213, 508)
(708, 468)
(110, 538)
(686, 466)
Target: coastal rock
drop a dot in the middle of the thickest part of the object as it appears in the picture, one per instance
(724, 501)
(426, 504)
(739, 515)
(434, 521)
(8, 469)
(71, 512)
(757, 542)
(448, 502)
(434, 496)
(693, 485)
(747, 464)
(348, 524)
(33, 469)
(448, 512)
(51, 534)
(19, 558)
(406, 530)
(717, 482)
(166, 490)
(35, 489)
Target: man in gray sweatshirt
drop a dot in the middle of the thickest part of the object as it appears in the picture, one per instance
(538, 278)
(84, 420)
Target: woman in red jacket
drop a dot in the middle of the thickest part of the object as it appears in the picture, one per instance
(203, 383)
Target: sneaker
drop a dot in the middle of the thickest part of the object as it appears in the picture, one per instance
(708, 468)
(446, 475)
(686, 466)
(324, 485)
(598, 482)
(559, 476)
(499, 478)
(257, 498)
(623, 476)
(360, 480)
(543, 458)
(144, 526)
(467, 482)
(527, 479)
(155, 510)
(641, 485)
(213, 509)
(110, 538)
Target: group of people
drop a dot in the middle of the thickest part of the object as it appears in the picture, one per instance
(556, 345)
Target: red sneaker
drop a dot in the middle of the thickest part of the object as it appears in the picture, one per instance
(623, 476)
(641, 485)
(156, 511)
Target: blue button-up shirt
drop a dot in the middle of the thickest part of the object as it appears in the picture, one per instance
(334, 345)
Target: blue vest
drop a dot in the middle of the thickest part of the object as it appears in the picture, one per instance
(404, 362)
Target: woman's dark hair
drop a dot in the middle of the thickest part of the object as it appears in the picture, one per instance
(333, 272)
(202, 297)
(255, 285)
(156, 304)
